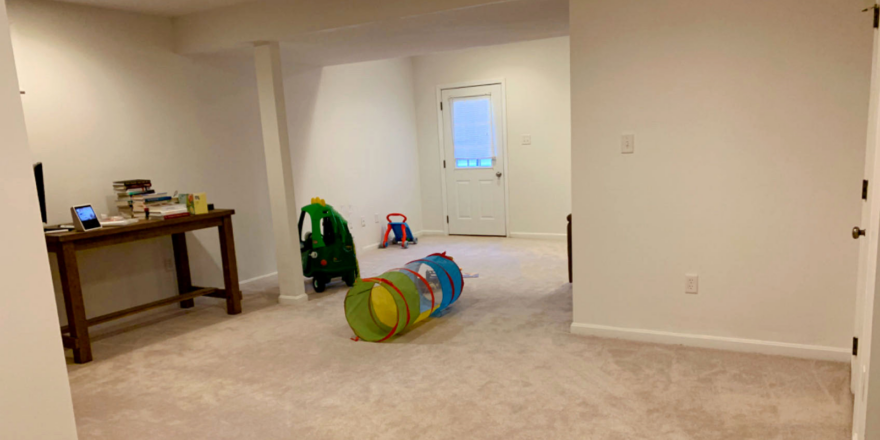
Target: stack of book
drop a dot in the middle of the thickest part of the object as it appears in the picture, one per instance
(126, 190)
(140, 204)
(168, 211)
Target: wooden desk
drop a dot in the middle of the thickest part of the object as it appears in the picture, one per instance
(66, 244)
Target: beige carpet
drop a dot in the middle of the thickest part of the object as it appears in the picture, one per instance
(500, 365)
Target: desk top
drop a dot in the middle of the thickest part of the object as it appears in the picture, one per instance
(143, 228)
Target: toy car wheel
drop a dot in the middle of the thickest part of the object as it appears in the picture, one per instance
(405, 245)
(349, 279)
(415, 240)
(319, 284)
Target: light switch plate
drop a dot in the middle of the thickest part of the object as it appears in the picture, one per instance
(628, 143)
(527, 139)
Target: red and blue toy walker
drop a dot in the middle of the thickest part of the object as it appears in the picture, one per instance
(402, 233)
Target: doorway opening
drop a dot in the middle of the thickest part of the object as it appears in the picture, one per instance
(473, 147)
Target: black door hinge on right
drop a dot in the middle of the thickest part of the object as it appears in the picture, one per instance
(855, 346)
(864, 190)
(876, 15)
(447, 219)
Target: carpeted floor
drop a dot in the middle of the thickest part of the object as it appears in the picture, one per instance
(500, 365)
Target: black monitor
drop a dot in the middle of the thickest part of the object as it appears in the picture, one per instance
(41, 190)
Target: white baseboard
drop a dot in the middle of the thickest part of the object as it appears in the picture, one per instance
(538, 235)
(716, 342)
(285, 300)
(370, 246)
(251, 280)
(430, 232)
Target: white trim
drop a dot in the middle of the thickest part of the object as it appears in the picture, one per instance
(715, 342)
(251, 280)
(283, 300)
(292, 300)
(538, 235)
(370, 246)
(439, 100)
(430, 232)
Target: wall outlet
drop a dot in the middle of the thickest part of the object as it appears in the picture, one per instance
(376, 215)
(527, 139)
(628, 143)
(363, 221)
(169, 264)
(691, 283)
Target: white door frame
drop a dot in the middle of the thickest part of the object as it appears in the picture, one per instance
(869, 246)
(502, 145)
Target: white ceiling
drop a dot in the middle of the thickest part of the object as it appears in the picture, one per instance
(171, 8)
(328, 32)
(485, 25)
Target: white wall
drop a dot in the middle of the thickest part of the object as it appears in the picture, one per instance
(537, 80)
(35, 401)
(107, 99)
(353, 139)
(750, 136)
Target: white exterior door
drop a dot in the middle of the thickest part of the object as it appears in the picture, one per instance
(866, 291)
(474, 146)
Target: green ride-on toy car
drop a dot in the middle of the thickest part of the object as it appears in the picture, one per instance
(328, 249)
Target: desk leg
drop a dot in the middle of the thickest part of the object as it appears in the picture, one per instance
(181, 264)
(230, 268)
(73, 303)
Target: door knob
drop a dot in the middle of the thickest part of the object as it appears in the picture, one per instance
(858, 232)
(498, 174)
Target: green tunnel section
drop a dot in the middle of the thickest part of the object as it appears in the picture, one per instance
(380, 307)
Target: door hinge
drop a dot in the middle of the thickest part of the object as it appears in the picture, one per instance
(447, 219)
(864, 190)
(855, 346)
(441, 106)
(876, 15)
(444, 164)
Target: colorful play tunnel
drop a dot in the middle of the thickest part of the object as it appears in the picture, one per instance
(380, 307)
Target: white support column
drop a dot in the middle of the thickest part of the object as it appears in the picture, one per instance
(279, 171)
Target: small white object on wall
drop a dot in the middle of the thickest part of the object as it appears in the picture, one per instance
(628, 143)
(691, 283)
(527, 139)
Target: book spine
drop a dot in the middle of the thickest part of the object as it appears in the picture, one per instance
(133, 192)
(182, 214)
(133, 182)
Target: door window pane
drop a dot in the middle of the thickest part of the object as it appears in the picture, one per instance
(473, 163)
(473, 136)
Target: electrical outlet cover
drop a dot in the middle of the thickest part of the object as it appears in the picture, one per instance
(691, 283)
(628, 143)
